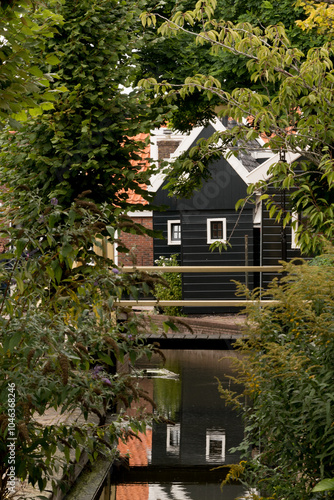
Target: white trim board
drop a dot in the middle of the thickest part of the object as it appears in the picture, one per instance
(158, 179)
(261, 172)
(144, 213)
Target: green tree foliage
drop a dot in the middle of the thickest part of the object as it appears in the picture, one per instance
(67, 174)
(25, 27)
(86, 142)
(59, 342)
(171, 288)
(287, 369)
(293, 110)
(178, 57)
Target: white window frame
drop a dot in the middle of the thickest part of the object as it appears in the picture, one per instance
(208, 230)
(173, 431)
(220, 437)
(170, 223)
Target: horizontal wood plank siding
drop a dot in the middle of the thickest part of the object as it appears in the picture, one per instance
(195, 251)
(161, 247)
(272, 237)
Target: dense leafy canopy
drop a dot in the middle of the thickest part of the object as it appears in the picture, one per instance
(292, 109)
(25, 27)
(178, 57)
(67, 174)
(87, 141)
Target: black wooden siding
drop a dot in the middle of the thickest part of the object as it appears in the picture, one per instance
(215, 199)
(195, 251)
(160, 246)
(276, 240)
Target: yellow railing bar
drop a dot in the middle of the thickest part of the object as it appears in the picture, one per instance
(202, 269)
(193, 303)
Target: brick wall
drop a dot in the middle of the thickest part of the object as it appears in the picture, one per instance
(166, 148)
(140, 247)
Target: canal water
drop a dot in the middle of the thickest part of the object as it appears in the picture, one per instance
(182, 460)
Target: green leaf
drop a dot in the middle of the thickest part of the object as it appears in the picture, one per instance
(34, 70)
(77, 454)
(21, 116)
(20, 246)
(105, 358)
(66, 250)
(170, 325)
(324, 485)
(52, 59)
(19, 283)
(133, 356)
(67, 454)
(58, 272)
(14, 341)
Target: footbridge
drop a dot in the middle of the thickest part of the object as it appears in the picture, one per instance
(205, 332)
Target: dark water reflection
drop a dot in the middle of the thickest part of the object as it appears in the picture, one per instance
(204, 430)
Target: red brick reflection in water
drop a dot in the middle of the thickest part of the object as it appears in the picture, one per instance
(139, 451)
(132, 492)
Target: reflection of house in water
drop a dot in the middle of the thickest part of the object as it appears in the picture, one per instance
(132, 492)
(204, 431)
(205, 428)
(173, 439)
(139, 450)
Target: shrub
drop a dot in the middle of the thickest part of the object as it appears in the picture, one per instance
(172, 288)
(288, 372)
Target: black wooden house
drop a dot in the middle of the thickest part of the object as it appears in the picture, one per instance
(191, 225)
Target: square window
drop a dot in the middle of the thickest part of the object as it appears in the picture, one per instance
(174, 232)
(215, 445)
(216, 230)
(173, 439)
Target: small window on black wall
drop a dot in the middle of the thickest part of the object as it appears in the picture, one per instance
(216, 230)
(174, 232)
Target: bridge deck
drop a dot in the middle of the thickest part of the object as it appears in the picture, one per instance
(193, 332)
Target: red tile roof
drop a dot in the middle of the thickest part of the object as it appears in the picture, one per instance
(145, 155)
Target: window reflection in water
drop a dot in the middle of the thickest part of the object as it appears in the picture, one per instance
(203, 432)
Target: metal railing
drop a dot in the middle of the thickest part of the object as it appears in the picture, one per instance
(197, 269)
